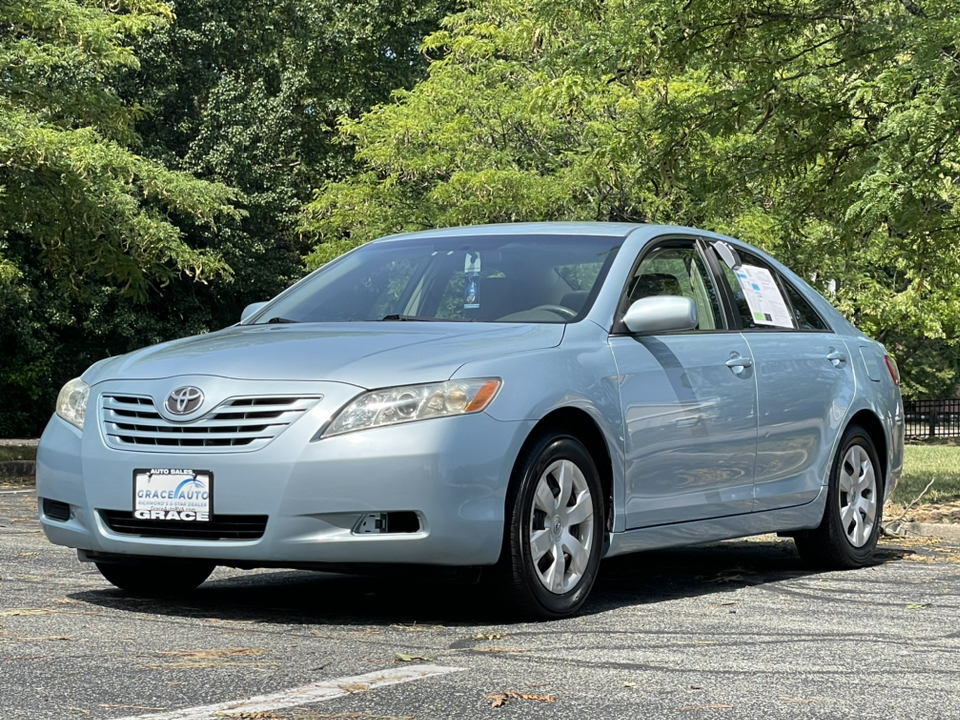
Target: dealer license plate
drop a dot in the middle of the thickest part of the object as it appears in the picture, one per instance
(172, 494)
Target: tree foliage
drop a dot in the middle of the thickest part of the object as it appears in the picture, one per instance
(71, 183)
(159, 157)
(822, 130)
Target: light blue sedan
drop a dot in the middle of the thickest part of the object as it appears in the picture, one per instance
(522, 399)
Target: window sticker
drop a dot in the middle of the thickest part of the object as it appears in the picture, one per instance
(763, 296)
(471, 288)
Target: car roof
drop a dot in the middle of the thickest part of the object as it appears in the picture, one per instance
(600, 229)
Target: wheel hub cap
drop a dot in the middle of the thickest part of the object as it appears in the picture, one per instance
(858, 496)
(561, 526)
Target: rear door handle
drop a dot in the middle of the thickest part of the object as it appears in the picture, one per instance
(836, 357)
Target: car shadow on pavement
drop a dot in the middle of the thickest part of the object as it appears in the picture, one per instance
(318, 598)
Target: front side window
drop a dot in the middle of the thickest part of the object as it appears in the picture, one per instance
(677, 270)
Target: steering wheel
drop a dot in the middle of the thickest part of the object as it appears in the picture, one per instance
(560, 310)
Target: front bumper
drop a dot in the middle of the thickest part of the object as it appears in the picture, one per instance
(451, 472)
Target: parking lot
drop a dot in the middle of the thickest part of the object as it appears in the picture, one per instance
(738, 629)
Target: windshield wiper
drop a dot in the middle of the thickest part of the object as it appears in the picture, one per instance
(275, 320)
(406, 318)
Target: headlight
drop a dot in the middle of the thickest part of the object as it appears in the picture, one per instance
(72, 402)
(414, 402)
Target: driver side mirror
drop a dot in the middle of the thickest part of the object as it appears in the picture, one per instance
(661, 313)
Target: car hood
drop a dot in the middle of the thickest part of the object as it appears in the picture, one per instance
(364, 354)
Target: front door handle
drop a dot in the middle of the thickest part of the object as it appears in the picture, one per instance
(738, 362)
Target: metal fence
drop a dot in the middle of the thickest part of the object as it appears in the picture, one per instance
(932, 418)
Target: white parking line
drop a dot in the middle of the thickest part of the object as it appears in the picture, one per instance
(316, 692)
(15, 492)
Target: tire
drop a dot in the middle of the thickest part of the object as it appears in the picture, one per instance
(847, 535)
(156, 578)
(553, 534)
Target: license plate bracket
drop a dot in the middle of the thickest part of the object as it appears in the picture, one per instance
(173, 494)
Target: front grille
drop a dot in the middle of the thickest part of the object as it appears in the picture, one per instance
(219, 527)
(132, 422)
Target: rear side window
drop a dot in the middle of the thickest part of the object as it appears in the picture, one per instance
(763, 299)
(757, 292)
(807, 318)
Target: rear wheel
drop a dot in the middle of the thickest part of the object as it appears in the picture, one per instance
(847, 536)
(156, 578)
(554, 529)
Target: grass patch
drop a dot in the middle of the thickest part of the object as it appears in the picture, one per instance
(923, 463)
(18, 452)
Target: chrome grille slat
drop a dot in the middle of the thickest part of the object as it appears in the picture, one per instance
(132, 422)
(170, 433)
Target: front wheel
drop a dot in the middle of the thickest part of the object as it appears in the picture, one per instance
(156, 578)
(847, 536)
(554, 529)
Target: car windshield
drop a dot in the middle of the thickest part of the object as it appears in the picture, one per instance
(542, 278)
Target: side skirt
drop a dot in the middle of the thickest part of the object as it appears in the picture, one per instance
(785, 520)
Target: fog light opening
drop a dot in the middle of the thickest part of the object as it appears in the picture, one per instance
(56, 510)
(382, 523)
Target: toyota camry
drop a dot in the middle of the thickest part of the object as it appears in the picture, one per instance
(516, 400)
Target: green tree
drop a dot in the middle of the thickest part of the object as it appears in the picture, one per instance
(248, 92)
(80, 208)
(73, 191)
(227, 94)
(822, 130)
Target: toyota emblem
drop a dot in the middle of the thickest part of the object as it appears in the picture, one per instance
(184, 400)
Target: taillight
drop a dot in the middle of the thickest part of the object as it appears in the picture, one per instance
(892, 367)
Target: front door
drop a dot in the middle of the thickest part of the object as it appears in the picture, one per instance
(689, 402)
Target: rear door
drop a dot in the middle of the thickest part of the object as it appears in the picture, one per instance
(804, 380)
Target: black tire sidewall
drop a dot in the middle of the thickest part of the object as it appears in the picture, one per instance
(156, 578)
(548, 450)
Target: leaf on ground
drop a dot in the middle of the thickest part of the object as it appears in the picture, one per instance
(404, 657)
(488, 636)
(217, 657)
(501, 699)
(354, 688)
(214, 653)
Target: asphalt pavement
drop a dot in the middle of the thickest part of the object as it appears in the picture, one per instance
(733, 630)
